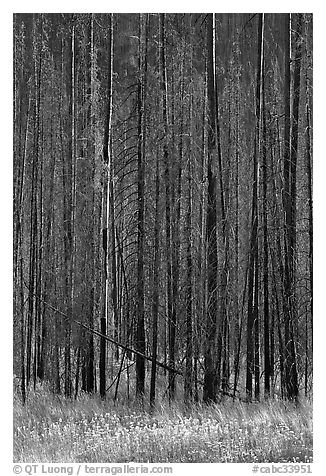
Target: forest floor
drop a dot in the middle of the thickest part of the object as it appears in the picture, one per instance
(52, 429)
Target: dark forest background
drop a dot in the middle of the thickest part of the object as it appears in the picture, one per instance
(163, 205)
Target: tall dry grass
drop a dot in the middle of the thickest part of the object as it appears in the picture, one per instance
(51, 429)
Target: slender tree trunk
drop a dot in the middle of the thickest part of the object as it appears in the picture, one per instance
(70, 204)
(140, 325)
(155, 298)
(113, 256)
(210, 377)
(253, 317)
(267, 335)
(33, 303)
(90, 83)
(19, 258)
(277, 271)
(168, 220)
(41, 334)
(310, 225)
(20, 149)
(22, 327)
(200, 315)
(77, 373)
(290, 368)
(222, 365)
(103, 359)
(238, 324)
(294, 139)
(189, 272)
(107, 157)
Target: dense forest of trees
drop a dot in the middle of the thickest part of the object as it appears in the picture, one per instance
(163, 205)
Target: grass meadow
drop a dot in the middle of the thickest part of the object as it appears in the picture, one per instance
(51, 429)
